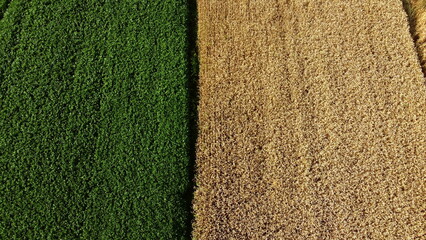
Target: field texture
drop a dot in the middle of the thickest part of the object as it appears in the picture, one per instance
(94, 120)
(312, 122)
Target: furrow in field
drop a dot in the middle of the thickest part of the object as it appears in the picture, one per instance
(416, 10)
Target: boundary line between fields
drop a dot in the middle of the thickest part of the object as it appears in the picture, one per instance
(192, 104)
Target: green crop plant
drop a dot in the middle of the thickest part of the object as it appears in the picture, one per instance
(95, 120)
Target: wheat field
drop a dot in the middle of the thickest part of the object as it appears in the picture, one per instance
(312, 122)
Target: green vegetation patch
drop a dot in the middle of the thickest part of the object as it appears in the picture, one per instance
(94, 120)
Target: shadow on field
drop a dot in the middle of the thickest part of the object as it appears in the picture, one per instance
(409, 10)
(192, 75)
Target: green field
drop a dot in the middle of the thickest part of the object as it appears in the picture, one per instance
(96, 126)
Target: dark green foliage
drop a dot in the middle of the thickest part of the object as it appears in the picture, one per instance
(95, 120)
(3, 6)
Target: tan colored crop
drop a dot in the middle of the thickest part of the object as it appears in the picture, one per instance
(312, 122)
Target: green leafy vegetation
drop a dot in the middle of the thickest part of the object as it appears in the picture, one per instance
(95, 120)
(3, 6)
